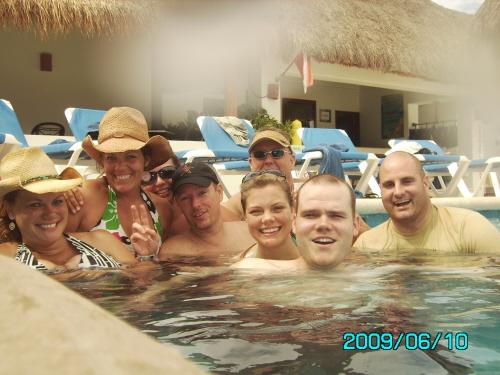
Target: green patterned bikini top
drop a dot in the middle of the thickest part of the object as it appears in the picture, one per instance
(111, 223)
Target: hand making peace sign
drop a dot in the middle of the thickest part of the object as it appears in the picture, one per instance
(144, 238)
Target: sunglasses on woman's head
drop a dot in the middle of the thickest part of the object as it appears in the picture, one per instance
(277, 153)
(272, 172)
(150, 178)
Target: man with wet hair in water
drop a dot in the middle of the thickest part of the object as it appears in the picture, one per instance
(198, 193)
(324, 223)
(416, 224)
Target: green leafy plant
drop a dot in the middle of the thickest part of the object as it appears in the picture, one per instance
(262, 118)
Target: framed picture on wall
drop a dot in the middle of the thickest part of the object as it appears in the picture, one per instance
(392, 116)
(325, 115)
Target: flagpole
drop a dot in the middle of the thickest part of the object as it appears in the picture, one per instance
(278, 78)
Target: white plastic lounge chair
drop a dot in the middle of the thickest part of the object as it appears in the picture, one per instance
(222, 152)
(439, 165)
(9, 124)
(354, 163)
(82, 121)
(220, 146)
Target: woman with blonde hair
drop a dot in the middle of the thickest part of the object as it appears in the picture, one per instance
(267, 204)
(124, 151)
(34, 214)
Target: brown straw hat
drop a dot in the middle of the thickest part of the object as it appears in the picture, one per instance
(32, 170)
(124, 129)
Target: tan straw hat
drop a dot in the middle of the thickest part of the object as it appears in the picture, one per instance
(32, 170)
(124, 129)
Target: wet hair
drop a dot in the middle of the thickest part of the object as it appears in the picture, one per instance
(261, 181)
(175, 160)
(327, 179)
(7, 235)
(146, 152)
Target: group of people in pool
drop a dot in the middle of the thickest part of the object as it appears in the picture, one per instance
(147, 205)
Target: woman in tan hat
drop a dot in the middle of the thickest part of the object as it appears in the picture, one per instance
(34, 214)
(123, 150)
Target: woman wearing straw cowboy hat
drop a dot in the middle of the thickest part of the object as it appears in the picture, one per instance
(124, 149)
(34, 214)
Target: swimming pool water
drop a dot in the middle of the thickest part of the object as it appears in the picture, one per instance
(233, 322)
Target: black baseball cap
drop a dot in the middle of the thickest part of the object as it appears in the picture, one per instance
(195, 173)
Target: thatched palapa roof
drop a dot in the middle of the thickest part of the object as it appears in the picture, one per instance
(487, 19)
(409, 37)
(90, 17)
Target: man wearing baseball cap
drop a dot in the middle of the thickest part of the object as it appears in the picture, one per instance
(269, 150)
(198, 193)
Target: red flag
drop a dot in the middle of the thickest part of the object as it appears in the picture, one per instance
(303, 63)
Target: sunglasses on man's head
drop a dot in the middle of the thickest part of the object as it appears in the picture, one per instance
(150, 178)
(277, 153)
(271, 172)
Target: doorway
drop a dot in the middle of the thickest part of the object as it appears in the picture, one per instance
(299, 109)
(349, 121)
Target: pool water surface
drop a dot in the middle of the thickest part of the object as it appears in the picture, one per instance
(229, 321)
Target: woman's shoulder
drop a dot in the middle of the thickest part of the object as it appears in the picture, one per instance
(95, 186)
(8, 249)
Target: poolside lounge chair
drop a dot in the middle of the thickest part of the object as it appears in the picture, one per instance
(9, 124)
(8, 143)
(220, 146)
(222, 151)
(439, 165)
(355, 163)
(82, 121)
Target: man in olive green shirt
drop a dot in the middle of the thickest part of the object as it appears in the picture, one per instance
(416, 224)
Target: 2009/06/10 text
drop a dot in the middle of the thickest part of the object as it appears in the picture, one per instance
(407, 340)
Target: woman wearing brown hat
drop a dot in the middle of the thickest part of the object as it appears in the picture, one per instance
(34, 214)
(123, 150)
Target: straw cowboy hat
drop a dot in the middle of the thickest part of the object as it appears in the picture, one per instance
(32, 170)
(124, 129)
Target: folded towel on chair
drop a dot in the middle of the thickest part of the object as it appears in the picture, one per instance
(235, 128)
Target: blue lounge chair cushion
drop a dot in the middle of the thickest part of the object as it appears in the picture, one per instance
(84, 120)
(10, 123)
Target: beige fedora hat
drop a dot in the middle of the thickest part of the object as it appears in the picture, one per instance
(124, 129)
(32, 170)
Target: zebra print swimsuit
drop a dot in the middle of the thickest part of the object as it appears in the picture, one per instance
(91, 257)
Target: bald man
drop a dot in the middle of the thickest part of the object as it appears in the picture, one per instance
(415, 223)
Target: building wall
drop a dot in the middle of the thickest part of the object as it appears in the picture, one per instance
(328, 95)
(437, 111)
(86, 73)
(371, 115)
(118, 72)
